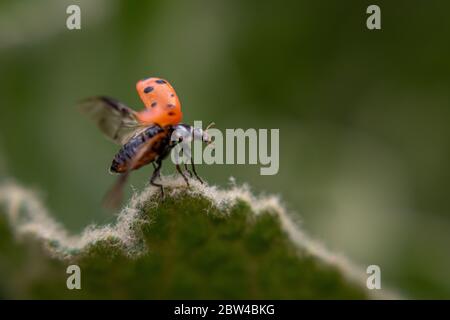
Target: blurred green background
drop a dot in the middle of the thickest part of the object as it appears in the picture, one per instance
(363, 115)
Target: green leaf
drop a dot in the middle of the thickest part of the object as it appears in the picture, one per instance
(199, 243)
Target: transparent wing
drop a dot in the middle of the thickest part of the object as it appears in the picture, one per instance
(115, 120)
(114, 196)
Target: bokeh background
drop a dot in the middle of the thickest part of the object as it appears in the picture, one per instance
(363, 115)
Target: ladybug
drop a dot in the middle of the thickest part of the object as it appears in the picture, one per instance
(145, 136)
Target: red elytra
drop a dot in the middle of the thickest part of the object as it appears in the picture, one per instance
(161, 102)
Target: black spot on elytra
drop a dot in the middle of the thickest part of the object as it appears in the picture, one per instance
(154, 104)
(170, 105)
(160, 81)
(172, 95)
(148, 89)
(171, 113)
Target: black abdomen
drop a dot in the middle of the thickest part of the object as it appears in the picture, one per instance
(129, 149)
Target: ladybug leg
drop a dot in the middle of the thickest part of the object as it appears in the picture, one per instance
(182, 174)
(154, 168)
(195, 172)
(187, 170)
(156, 174)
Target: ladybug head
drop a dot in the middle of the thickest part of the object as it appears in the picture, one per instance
(187, 133)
